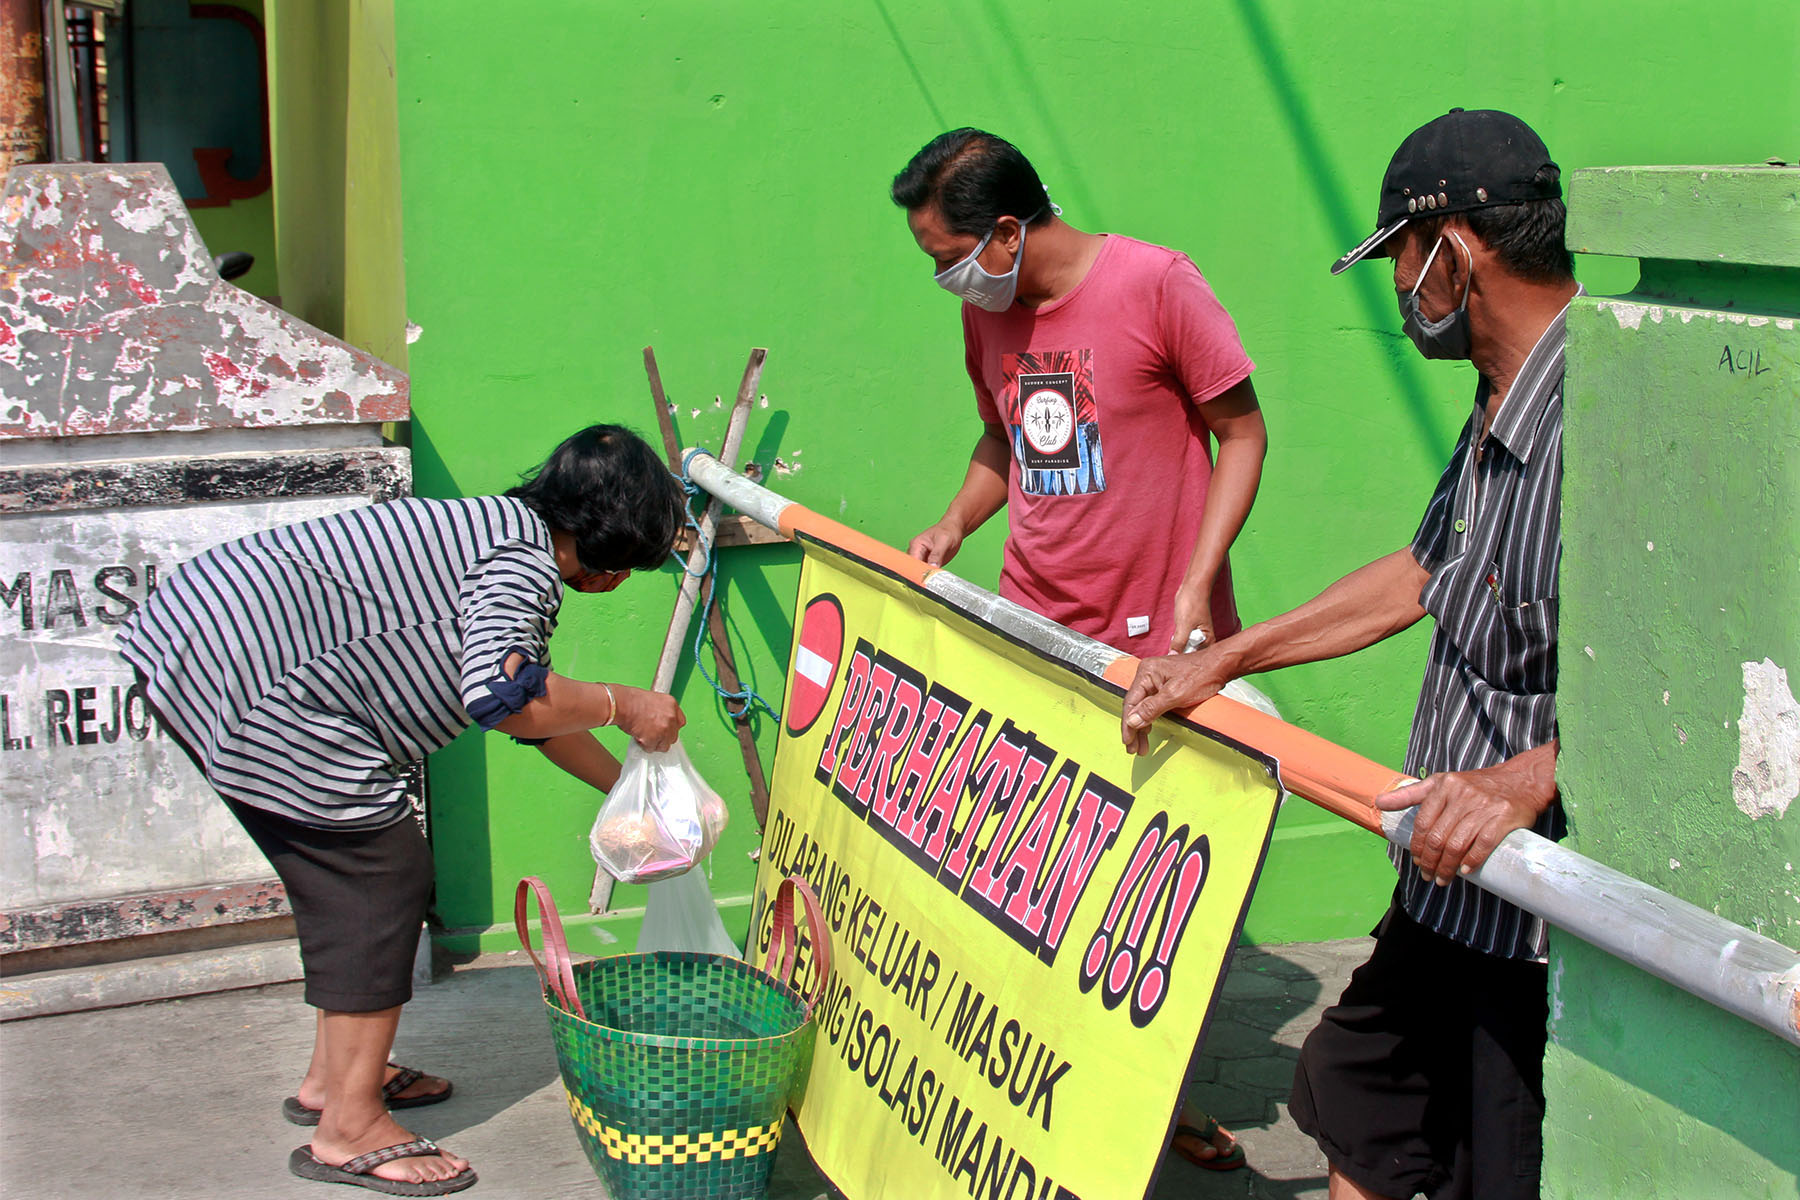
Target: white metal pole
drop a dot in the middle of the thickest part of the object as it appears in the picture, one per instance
(1720, 961)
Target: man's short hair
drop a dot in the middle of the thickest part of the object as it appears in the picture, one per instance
(1527, 237)
(972, 178)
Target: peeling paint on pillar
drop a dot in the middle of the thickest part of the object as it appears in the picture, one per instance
(138, 916)
(232, 416)
(113, 320)
(1767, 778)
(378, 474)
(23, 127)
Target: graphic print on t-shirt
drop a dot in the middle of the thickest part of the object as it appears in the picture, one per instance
(1048, 399)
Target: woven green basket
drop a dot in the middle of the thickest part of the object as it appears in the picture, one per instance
(679, 1067)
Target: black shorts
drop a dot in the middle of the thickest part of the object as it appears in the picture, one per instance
(1428, 1074)
(359, 898)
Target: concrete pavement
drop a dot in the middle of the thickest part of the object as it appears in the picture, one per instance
(181, 1099)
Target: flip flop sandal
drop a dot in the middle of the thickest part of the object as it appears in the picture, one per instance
(356, 1171)
(1224, 1160)
(299, 1114)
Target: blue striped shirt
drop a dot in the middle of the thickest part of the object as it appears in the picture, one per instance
(305, 664)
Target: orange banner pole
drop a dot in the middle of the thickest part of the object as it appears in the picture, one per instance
(1737, 969)
(1337, 780)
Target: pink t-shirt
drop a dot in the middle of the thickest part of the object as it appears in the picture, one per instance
(1099, 392)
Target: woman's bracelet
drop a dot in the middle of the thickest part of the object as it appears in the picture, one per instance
(612, 712)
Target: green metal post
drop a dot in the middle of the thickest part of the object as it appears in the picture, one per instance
(1680, 734)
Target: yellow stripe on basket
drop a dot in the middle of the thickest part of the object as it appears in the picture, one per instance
(674, 1149)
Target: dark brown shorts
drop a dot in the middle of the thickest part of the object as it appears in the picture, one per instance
(359, 898)
(1428, 1074)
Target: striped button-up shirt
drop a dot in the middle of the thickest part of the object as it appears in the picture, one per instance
(1492, 541)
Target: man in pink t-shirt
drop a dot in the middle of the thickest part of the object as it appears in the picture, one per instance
(1104, 370)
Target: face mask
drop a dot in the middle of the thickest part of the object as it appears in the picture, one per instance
(1446, 338)
(970, 280)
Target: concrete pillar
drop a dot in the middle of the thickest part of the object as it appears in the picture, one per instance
(23, 135)
(1680, 656)
(148, 411)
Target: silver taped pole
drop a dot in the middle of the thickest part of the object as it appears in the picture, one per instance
(1740, 971)
(689, 596)
(752, 499)
(600, 894)
(1040, 633)
(679, 913)
(1720, 961)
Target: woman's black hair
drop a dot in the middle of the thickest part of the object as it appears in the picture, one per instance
(613, 494)
(972, 178)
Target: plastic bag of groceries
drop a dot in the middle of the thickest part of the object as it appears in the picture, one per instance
(658, 820)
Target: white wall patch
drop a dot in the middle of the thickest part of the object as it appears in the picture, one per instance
(1767, 778)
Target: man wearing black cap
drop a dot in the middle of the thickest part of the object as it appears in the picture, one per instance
(1427, 1076)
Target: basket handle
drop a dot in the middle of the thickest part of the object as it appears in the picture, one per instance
(784, 937)
(559, 978)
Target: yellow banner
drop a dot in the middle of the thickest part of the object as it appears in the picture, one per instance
(1028, 924)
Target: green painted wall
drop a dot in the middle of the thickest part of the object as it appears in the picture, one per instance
(1681, 533)
(374, 267)
(308, 60)
(707, 176)
(337, 172)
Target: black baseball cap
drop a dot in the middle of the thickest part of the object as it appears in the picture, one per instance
(1465, 159)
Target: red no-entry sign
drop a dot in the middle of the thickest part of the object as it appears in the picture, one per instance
(818, 647)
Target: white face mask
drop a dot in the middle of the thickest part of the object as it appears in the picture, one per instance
(970, 280)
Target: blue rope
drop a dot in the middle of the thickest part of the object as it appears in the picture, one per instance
(747, 696)
(692, 489)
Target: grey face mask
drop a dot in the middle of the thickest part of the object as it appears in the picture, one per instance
(970, 280)
(1445, 338)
